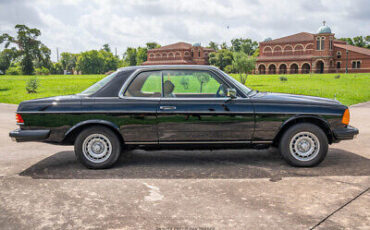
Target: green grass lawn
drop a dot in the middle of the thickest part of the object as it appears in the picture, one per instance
(349, 88)
(13, 88)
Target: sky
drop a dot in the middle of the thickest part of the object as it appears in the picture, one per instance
(80, 25)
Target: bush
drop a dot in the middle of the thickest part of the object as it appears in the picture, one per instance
(32, 85)
(283, 78)
(229, 69)
(337, 76)
(42, 71)
(14, 70)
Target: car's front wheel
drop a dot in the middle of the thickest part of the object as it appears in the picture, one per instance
(304, 145)
(97, 147)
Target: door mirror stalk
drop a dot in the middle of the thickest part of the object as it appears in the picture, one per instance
(231, 93)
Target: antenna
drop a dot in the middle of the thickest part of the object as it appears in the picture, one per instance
(324, 22)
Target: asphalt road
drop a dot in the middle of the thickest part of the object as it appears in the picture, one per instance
(42, 187)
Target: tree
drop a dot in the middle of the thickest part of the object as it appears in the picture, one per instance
(224, 46)
(68, 61)
(203, 79)
(213, 45)
(243, 64)
(221, 58)
(141, 55)
(129, 57)
(359, 41)
(244, 45)
(152, 45)
(110, 61)
(106, 48)
(90, 62)
(6, 57)
(29, 48)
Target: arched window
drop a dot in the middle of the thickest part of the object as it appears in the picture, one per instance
(288, 49)
(261, 69)
(339, 54)
(338, 65)
(331, 44)
(318, 43)
(278, 50)
(267, 51)
(322, 43)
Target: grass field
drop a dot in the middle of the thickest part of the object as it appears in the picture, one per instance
(348, 89)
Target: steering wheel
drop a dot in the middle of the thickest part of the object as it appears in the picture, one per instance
(221, 87)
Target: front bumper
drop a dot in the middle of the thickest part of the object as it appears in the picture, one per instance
(21, 135)
(347, 133)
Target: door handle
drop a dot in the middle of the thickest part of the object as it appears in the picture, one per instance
(167, 107)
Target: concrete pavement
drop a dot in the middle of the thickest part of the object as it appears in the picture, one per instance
(42, 186)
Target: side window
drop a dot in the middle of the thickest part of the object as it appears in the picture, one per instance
(192, 83)
(146, 84)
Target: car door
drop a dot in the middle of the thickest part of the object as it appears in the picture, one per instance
(195, 108)
(139, 103)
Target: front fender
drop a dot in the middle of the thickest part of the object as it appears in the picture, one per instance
(318, 120)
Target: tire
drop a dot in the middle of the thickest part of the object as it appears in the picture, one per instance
(304, 145)
(97, 147)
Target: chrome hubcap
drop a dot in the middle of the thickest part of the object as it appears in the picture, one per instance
(97, 148)
(304, 146)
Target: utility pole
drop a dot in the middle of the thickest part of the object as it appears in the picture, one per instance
(115, 51)
(57, 54)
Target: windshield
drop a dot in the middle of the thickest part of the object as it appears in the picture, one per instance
(98, 85)
(242, 87)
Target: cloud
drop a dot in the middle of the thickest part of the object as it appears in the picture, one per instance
(78, 25)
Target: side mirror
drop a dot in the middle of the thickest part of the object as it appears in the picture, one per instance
(230, 92)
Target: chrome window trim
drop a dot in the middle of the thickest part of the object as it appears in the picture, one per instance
(211, 69)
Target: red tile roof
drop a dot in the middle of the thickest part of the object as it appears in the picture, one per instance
(178, 45)
(353, 48)
(300, 37)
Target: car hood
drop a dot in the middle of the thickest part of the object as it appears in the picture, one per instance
(293, 98)
(49, 103)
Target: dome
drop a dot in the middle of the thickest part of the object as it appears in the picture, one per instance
(267, 40)
(324, 29)
(196, 44)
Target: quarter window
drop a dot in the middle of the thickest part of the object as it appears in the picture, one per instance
(146, 84)
(190, 83)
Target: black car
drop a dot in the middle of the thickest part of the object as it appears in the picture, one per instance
(162, 107)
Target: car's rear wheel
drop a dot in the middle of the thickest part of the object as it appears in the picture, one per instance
(97, 147)
(304, 145)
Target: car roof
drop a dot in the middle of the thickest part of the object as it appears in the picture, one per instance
(159, 67)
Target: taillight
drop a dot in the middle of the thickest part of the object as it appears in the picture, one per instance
(345, 118)
(19, 119)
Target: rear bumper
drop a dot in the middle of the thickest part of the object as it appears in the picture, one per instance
(347, 133)
(20, 135)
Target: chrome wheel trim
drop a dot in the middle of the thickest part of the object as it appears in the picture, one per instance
(304, 146)
(97, 148)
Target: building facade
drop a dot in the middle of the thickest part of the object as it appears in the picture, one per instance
(180, 53)
(311, 53)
